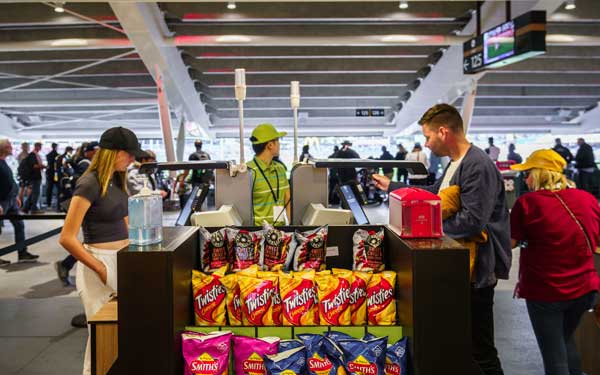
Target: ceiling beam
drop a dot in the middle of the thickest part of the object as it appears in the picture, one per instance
(145, 27)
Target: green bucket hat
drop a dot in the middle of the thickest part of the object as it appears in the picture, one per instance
(264, 133)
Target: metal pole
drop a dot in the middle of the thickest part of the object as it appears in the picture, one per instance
(241, 116)
(295, 103)
(295, 135)
(479, 4)
(240, 95)
(508, 12)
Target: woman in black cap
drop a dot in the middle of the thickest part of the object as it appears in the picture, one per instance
(99, 207)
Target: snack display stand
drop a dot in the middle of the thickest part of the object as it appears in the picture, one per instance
(432, 297)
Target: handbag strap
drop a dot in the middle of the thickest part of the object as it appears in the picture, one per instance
(587, 238)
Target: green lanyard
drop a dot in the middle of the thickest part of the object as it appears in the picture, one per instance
(276, 197)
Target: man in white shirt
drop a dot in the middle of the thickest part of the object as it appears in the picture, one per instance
(492, 150)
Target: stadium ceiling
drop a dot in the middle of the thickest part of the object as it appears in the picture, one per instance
(76, 73)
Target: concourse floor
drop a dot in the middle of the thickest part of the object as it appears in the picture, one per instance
(36, 337)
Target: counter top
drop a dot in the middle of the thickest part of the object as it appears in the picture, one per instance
(444, 243)
(107, 313)
(172, 238)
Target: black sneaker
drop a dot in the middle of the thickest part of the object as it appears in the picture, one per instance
(79, 321)
(4, 262)
(62, 272)
(26, 256)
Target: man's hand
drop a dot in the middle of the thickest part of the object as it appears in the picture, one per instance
(19, 203)
(1, 210)
(381, 182)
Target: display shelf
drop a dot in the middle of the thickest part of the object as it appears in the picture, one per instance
(432, 294)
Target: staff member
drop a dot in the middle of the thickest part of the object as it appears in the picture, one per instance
(558, 228)
(483, 208)
(270, 187)
(99, 207)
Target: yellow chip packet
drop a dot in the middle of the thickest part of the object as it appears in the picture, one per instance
(381, 305)
(234, 304)
(299, 300)
(334, 298)
(209, 298)
(257, 301)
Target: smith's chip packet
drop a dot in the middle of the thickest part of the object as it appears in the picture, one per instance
(206, 354)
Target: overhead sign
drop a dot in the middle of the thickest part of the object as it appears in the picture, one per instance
(370, 112)
(507, 43)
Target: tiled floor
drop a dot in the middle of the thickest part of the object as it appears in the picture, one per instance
(35, 313)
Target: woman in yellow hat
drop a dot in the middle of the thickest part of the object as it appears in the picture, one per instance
(557, 227)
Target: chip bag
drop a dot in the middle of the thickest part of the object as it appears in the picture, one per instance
(277, 307)
(335, 336)
(206, 354)
(234, 304)
(209, 298)
(358, 296)
(311, 249)
(248, 354)
(277, 249)
(364, 357)
(244, 247)
(396, 358)
(368, 250)
(214, 250)
(334, 298)
(323, 356)
(300, 305)
(257, 301)
(381, 306)
(251, 271)
(289, 362)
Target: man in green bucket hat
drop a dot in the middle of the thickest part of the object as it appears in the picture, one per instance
(270, 187)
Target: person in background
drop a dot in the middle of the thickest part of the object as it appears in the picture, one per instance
(51, 178)
(10, 203)
(34, 165)
(435, 163)
(417, 154)
(333, 179)
(557, 228)
(86, 160)
(585, 164)
(305, 156)
(401, 155)
(563, 151)
(346, 175)
(135, 179)
(492, 150)
(512, 155)
(385, 155)
(270, 187)
(199, 176)
(483, 208)
(63, 174)
(24, 152)
(99, 208)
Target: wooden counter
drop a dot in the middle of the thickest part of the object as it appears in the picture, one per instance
(104, 335)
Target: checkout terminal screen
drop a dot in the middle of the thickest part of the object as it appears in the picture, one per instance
(354, 205)
(193, 204)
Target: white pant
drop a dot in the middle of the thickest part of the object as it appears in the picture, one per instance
(93, 292)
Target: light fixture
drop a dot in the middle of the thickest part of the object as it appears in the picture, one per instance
(570, 5)
(403, 5)
(59, 7)
(231, 5)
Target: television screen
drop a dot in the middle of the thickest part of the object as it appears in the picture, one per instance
(499, 43)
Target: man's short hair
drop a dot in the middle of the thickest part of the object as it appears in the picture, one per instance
(197, 143)
(442, 115)
(37, 144)
(4, 146)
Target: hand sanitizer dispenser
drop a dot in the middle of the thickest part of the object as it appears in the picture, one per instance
(145, 217)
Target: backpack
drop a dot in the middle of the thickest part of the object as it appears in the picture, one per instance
(24, 171)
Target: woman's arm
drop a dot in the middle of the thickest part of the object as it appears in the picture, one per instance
(68, 236)
(513, 243)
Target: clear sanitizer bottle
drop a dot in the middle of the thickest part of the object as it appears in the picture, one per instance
(145, 217)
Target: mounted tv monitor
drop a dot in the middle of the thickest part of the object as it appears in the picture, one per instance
(499, 43)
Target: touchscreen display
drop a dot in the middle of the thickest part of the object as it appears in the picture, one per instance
(354, 205)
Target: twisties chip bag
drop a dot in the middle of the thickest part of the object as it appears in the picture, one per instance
(257, 301)
(244, 247)
(277, 308)
(248, 354)
(213, 252)
(234, 303)
(364, 357)
(299, 300)
(396, 358)
(358, 296)
(209, 298)
(206, 354)
(311, 249)
(289, 362)
(368, 250)
(277, 248)
(323, 356)
(334, 298)
(381, 306)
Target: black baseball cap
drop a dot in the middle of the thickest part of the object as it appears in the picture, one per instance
(92, 146)
(120, 138)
